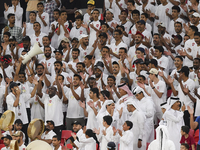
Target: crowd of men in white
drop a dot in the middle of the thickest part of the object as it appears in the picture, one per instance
(120, 73)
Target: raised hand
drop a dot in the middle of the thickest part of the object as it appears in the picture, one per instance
(82, 85)
(129, 58)
(161, 73)
(114, 131)
(69, 79)
(91, 104)
(84, 25)
(141, 85)
(70, 66)
(35, 81)
(97, 131)
(82, 104)
(170, 80)
(6, 7)
(191, 111)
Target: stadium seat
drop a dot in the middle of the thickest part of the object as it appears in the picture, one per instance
(66, 134)
(1, 146)
(196, 136)
(69, 146)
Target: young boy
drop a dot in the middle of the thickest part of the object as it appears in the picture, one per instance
(78, 29)
(144, 16)
(105, 135)
(54, 28)
(94, 26)
(6, 37)
(126, 138)
(28, 27)
(124, 22)
(14, 9)
(64, 26)
(186, 138)
(90, 7)
(42, 18)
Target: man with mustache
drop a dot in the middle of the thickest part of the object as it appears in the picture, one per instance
(18, 136)
(48, 134)
(6, 141)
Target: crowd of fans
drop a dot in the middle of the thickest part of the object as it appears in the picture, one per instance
(111, 78)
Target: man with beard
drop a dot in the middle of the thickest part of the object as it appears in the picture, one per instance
(72, 64)
(162, 31)
(6, 141)
(48, 60)
(99, 44)
(83, 47)
(66, 49)
(46, 43)
(195, 20)
(18, 136)
(58, 70)
(48, 134)
(73, 94)
(59, 57)
(194, 73)
(26, 45)
(141, 28)
(81, 71)
(52, 104)
(138, 43)
(12, 28)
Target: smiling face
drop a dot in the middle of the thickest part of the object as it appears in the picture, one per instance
(52, 91)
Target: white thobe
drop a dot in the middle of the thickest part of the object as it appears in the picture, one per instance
(87, 143)
(138, 120)
(174, 121)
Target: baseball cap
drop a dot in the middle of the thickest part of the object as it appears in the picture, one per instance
(65, 39)
(110, 10)
(91, 2)
(153, 71)
(184, 69)
(12, 38)
(7, 137)
(26, 38)
(76, 123)
(138, 61)
(82, 36)
(195, 14)
(50, 122)
(141, 49)
(178, 37)
(80, 11)
(111, 145)
(103, 34)
(60, 51)
(161, 24)
(138, 32)
(142, 22)
(13, 84)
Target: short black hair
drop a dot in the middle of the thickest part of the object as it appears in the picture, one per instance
(178, 23)
(76, 50)
(62, 11)
(194, 28)
(125, 50)
(61, 76)
(18, 121)
(145, 14)
(186, 145)
(196, 59)
(40, 65)
(22, 72)
(119, 31)
(135, 11)
(112, 77)
(180, 57)
(115, 63)
(89, 57)
(156, 34)
(7, 33)
(79, 17)
(37, 23)
(47, 47)
(130, 124)
(10, 15)
(131, 1)
(143, 77)
(57, 137)
(120, 26)
(106, 47)
(32, 12)
(176, 8)
(185, 129)
(197, 34)
(95, 10)
(160, 48)
(108, 119)
(40, 3)
(58, 62)
(46, 37)
(81, 63)
(57, 10)
(95, 91)
(105, 24)
(105, 93)
(77, 75)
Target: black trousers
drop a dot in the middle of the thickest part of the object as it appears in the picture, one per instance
(58, 130)
(198, 147)
(24, 129)
(28, 110)
(186, 118)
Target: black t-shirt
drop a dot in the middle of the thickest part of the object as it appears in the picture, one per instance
(72, 5)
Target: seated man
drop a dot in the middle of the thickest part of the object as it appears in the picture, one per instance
(18, 136)
(6, 140)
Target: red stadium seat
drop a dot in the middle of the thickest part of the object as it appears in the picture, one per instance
(65, 135)
(191, 133)
(196, 136)
(1, 146)
(69, 146)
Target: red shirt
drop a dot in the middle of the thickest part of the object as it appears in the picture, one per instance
(189, 141)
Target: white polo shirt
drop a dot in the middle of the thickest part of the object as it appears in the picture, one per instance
(34, 38)
(115, 48)
(45, 16)
(76, 32)
(53, 109)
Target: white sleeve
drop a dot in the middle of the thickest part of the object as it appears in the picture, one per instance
(10, 101)
(127, 139)
(171, 117)
(18, 13)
